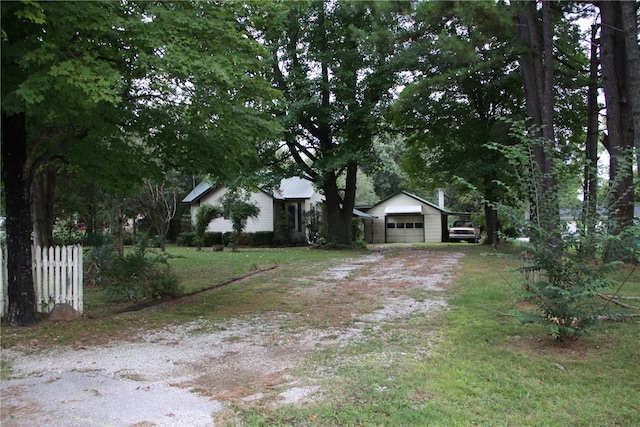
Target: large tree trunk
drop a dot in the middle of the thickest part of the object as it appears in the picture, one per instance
(338, 213)
(630, 27)
(21, 293)
(491, 217)
(536, 63)
(619, 140)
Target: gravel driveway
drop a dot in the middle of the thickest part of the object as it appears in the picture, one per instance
(182, 375)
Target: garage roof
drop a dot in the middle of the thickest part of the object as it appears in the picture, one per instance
(403, 210)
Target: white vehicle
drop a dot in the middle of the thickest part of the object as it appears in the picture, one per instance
(464, 230)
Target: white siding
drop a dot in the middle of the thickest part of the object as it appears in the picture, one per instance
(263, 222)
(433, 228)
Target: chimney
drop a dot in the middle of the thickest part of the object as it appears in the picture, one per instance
(441, 199)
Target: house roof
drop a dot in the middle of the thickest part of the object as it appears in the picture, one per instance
(361, 214)
(290, 188)
(198, 192)
(407, 209)
(419, 199)
(294, 188)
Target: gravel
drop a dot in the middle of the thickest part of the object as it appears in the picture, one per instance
(182, 375)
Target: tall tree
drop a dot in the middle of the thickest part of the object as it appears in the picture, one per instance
(629, 18)
(334, 63)
(620, 83)
(121, 90)
(467, 81)
(535, 33)
(386, 173)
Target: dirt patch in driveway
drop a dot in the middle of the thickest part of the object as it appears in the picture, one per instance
(183, 375)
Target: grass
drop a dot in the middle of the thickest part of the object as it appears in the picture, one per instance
(474, 366)
(471, 365)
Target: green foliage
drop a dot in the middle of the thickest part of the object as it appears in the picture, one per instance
(66, 232)
(228, 238)
(357, 233)
(262, 238)
(205, 214)
(212, 238)
(563, 271)
(140, 275)
(337, 66)
(237, 208)
(387, 176)
(209, 239)
(564, 289)
(186, 238)
(98, 256)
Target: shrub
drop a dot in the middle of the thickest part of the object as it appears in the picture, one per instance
(212, 238)
(564, 271)
(98, 256)
(186, 239)
(66, 232)
(564, 289)
(227, 238)
(140, 275)
(128, 238)
(261, 238)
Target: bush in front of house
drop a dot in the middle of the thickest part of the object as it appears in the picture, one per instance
(212, 238)
(261, 238)
(186, 239)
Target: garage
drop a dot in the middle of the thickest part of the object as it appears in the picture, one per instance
(404, 224)
(405, 218)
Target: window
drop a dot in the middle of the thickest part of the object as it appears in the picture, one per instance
(409, 225)
(400, 225)
(419, 225)
(391, 225)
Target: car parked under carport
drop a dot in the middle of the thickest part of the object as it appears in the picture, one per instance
(464, 230)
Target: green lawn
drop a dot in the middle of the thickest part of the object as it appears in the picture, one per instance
(484, 368)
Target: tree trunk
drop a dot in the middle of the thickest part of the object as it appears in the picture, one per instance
(491, 216)
(536, 63)
(21, 293)
(338, 219)
(615, 82)
(630, 27)
(43, 198)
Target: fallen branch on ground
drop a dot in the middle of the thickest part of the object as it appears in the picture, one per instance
(621, 297)
(617, 317)
(614, 300)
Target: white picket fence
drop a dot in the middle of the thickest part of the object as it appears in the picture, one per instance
(57, 277)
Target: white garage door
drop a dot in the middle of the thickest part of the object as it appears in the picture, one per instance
(405, 228)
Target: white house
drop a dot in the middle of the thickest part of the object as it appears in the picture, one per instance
(405, 217)
(291, 201)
